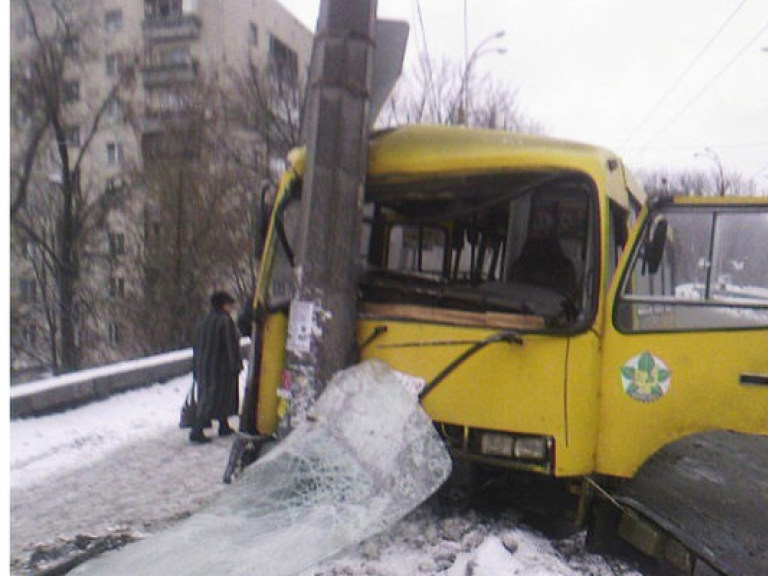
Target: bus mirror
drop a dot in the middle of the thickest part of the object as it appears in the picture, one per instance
(654, 246)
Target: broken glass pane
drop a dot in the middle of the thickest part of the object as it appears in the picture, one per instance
(367, 457)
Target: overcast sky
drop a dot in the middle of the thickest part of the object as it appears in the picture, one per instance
(658, 81)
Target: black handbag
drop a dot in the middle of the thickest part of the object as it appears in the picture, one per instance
(189, 408)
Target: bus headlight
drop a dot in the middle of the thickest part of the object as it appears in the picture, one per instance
(531, 448)
(496, 445)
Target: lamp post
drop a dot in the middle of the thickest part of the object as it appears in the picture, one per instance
(713, 157)
(482, 49)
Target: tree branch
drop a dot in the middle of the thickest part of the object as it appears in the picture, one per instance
(30, 154)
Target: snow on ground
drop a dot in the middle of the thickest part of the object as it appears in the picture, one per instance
(467, 543)
(41, 447)
(123, 463)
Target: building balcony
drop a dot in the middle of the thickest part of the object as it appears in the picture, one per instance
(185, 27)
(158, 120)
(170, 73)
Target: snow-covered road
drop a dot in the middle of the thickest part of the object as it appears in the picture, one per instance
(123, 462)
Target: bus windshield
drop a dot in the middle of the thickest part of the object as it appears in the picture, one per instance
(521, 243)
(514, 243)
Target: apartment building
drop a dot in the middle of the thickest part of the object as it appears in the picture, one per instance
(152, 50)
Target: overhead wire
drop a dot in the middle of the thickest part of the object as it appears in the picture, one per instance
(706, 87)
(742, 145)
(427, 57)
(684, 73)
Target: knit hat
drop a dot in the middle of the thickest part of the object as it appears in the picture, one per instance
(220, 299)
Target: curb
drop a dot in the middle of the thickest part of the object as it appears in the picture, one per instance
(68, 391)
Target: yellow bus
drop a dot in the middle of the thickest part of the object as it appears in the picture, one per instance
(504, 274)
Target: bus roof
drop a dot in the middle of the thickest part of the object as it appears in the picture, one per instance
(415, 151)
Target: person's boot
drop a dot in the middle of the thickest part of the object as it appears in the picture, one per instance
(225, 429)
(197, 436)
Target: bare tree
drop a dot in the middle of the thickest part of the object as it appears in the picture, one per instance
(207, 172)
(436, 92)
(695, 183)
(192, 236)
(261, 109)
(54, 130)
(264, 107)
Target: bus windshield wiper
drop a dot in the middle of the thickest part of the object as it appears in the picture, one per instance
(511, 336)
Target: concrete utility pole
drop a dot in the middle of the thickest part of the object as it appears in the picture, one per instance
(322, 325)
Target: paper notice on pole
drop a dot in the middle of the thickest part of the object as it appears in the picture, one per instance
(300, 327)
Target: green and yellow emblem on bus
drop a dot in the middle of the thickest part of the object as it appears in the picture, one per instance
(646, 377)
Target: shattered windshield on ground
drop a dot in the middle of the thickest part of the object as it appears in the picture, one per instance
(368, 455)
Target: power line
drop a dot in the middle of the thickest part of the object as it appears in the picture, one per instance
(427, 57)
(685, 72)
(706, 87)
(741, 145)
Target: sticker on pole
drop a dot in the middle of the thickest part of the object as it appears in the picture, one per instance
(646, 377)
(300, 327)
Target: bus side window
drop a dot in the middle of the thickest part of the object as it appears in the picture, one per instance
(617, 236)
(417, 248)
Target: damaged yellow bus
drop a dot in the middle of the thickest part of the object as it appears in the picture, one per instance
(500, 271)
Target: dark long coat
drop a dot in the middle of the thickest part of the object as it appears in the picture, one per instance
(216, 363)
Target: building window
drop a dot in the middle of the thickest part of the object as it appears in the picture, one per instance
(29, 335)
(113, 333)
(71, 91)
(113, 20)
(114, 64)
(165, 100)
(115, 111)
(28, 290)
(115, 153)
(284, 60)
(72, 136)
(162, 9)
(116, 243)
(117, 287)
(253, 34)
(175, 55)
(114, 185)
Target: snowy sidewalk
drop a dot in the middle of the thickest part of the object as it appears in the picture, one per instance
(120, 462)
(124, 462)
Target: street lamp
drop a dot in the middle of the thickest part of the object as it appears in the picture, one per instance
(712, 156)
(482, 49)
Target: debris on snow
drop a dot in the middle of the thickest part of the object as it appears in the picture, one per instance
(368, 455)
(62, 555)
(420, 544)
(144, 422)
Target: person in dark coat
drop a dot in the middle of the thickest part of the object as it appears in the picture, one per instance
(542, 261)
(216, 364)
